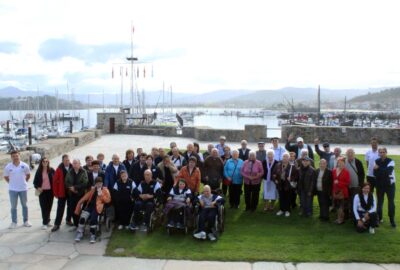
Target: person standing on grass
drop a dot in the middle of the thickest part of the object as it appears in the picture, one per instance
(385, 183)
(340, 188)
(76, 182)
(43, 183)
(364, 209)
(270, 166)
(323, 189)
(214, 170)
(357, 175)
(286, 174)
(225, 157)
(17, 174)
(60, 192)
(252, 172)
(306, 187)
(232, 174)
(123, 203)
(370, 156)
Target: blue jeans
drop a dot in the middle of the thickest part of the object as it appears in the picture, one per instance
(23, 197)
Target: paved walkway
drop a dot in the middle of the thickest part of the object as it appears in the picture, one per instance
(33, 248)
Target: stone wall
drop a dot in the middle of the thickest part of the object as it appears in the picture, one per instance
(82, 138)
(343, 135)
(53, 147)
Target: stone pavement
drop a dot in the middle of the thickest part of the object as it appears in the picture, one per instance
(33, 248)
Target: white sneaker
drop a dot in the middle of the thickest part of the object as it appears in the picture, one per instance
(78, 237)
(13, 225)
(27, 224)
(287, 214)
(200, 235)
(92, 239)
(44, 227)
(120, 227)
(212, 237)
(126, 227)
(280, 213)
(371, 230)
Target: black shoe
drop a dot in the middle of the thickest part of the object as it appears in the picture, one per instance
(179, 225)
(393, 224)
(69, 223)
(55, 228)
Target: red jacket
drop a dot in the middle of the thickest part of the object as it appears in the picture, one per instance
(344, 182)
(58, 183)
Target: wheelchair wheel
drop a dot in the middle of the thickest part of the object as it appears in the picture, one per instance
(221, 217)
(169, 231)
(108, 224)
(186, 230)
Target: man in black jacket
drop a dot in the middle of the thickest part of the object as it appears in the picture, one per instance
(357, 175)
(296, 148)
(244, 151)
(135, 172)
(324, 154)
(94, 173)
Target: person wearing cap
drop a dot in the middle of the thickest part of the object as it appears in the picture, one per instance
(298, 146)
(261, 153)
(324, 154)
(270, 194)
(278, 150)
(306, 187)
(244, 151)
(304, 154)
(340, 188)
(123, 202)
(94, 202)
(192, 176)
(94, 173)
(220, 146)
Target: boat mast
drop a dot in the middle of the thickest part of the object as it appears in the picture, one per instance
(319, 105)
(163, 97)
(171, 98)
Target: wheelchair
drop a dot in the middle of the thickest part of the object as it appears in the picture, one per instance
(102, 218)
(188, 220)
(219, 224)
(156, 218)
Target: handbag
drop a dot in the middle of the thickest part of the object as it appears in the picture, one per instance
(37, 192)
(338, 195)
(226, 181)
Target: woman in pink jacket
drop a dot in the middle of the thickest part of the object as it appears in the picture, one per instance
(252, 172)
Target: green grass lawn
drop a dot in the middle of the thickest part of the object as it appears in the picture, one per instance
(263, 236)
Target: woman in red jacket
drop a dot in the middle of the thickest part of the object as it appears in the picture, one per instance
(340, 188)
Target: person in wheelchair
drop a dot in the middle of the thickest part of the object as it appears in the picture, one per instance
(93, 204)
(208, 212)
(178, 205)
(123, 203)
(146, 194)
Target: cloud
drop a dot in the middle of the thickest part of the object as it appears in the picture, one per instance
(9, 47)
(59, 48)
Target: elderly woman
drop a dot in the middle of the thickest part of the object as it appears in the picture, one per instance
(232, 175)
(213, 170)
(252, 171)
(270, 166)
(323, 188)
(364, 209)
(286, 175)
(340, 188)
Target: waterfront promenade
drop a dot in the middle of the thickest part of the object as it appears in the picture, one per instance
(33, 248)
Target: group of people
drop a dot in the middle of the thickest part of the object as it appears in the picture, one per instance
(173, 179)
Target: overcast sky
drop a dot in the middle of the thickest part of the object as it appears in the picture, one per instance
(200, 46)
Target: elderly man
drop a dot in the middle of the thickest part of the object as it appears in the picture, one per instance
(177, 158)
(168, 171)
(16, 174)
(298, 146)
(244, 151)
(76, 182)
(221, 145)
(337, 152)
(207, 153)
(304, 154)
(213, 170)
(261, 154)
(160, 157)
(190, 152)
(357, 175)
(306, 187)
(145, 194)
(113, 171)
(136, 169)
(278, 150)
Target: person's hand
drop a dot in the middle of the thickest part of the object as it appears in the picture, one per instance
(213, 203)
(336, 182)
(169, 198)
(316, 141)
(188, 200)
(360, 224)
(99, 192)
(366, 217)
(141, 196)
(376, 167)
(40, 190)
(229, 179)
(72, 189)
(290, 137)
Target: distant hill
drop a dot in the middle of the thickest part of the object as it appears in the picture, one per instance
(384, 96)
